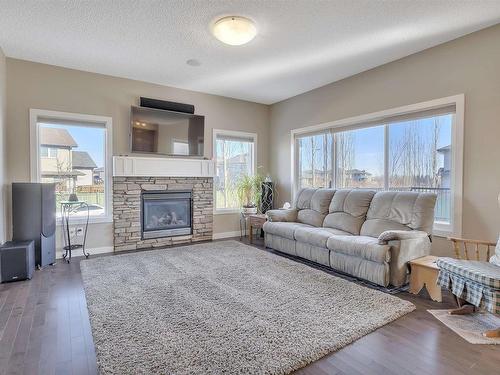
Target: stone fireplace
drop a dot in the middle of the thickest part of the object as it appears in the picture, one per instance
(160, 211)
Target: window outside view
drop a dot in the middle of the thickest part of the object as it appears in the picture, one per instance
(419, 159)
(73, 158)
(234, 159)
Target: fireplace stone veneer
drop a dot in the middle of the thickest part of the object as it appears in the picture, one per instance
(127, 210)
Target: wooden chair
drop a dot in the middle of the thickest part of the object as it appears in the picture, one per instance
(466, 249)
(462, 246)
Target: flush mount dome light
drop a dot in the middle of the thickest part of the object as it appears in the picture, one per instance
(234, 30)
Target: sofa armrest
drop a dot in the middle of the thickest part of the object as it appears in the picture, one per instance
(400, 235)
(405, 250)
(289, 215)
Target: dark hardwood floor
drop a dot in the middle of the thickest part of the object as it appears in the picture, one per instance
(45, 329)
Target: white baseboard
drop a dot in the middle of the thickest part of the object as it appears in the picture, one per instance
(218, 236)
(92, 251)
(109, 249)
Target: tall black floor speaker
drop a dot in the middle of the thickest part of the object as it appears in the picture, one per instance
(34, 218)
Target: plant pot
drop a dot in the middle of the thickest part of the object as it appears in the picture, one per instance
(73, 197)
(249, 210)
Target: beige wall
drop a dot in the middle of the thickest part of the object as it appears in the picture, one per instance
(3, 151)
(469, 65)
(33, 85)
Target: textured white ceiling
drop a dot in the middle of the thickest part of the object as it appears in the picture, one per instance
(301, 45)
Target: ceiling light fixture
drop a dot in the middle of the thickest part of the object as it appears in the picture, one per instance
(234, 30)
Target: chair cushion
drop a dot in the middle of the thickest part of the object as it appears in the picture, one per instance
(392, 210)
(283, 229)
(316, 236)
(481, 272)
(348, 210)
(361, 247)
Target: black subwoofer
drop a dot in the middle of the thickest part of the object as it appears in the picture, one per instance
(34, 218)
(17, 261)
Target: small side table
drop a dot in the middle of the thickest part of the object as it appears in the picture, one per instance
(256, 221)
(68, 208)
(243, 224)
(424, 272)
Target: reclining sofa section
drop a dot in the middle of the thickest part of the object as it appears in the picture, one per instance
(367, 234)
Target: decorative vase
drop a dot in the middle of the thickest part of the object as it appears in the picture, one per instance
(249, 210)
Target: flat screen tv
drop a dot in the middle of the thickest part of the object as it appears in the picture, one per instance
(157, 131)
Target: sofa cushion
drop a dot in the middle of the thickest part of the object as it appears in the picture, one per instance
(348, 210)
(391, 210)
(310, 217)
(363, 247)
(316, 236)
(303, 199)
(313, 205)
(283, 229)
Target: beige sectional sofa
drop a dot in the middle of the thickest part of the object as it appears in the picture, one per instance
(367, 234)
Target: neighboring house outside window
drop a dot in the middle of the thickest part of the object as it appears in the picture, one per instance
(56, 146)
(99, 176)
(234, 154)
(83, 163)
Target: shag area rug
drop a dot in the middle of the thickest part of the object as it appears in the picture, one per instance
(471, 326)
(223, 308)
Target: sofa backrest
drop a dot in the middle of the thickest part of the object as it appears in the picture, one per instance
(347, 210)
(391, 210)
(313, 205)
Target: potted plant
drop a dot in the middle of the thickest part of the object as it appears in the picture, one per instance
(248, 189)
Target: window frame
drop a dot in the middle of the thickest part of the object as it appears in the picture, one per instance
(77, 119)
(253, 168)
(457, 142)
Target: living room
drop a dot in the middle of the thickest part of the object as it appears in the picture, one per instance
(369, 128)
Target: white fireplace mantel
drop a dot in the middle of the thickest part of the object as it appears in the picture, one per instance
(125, 166)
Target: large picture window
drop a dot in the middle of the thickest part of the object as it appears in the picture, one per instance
(73, 151)
(404, 152)
(234, 154)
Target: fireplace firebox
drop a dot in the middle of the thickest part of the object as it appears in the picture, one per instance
(166, 213)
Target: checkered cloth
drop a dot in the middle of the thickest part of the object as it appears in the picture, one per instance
(476, 282)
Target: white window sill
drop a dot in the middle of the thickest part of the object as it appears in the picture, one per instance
(444, 230)
(81, 220)
(227, 211)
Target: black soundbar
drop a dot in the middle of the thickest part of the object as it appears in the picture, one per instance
(169, 106)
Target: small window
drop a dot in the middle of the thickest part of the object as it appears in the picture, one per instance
(48, 152)
(234, 153)
(75, 155)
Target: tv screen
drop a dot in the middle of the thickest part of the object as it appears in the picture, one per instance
(166, 132)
